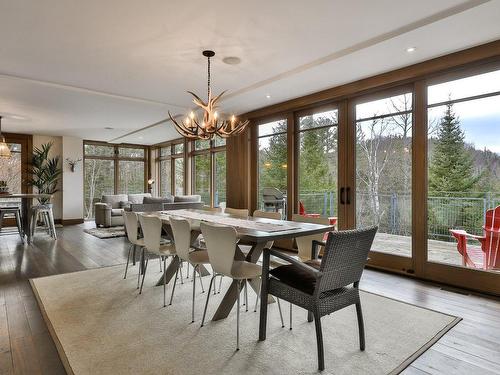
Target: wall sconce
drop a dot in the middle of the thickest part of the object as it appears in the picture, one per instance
(73, 163)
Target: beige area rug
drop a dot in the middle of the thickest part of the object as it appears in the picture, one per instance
(101, 325)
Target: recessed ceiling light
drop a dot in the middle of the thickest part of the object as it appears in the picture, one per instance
(268, 96)
(411, 49)
(231, 60)
(140, 137)
(108, 128)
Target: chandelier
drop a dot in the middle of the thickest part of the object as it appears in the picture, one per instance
(4, 147)
(212, 123)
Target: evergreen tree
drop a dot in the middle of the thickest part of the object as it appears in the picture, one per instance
(451, 168)
(273, 160)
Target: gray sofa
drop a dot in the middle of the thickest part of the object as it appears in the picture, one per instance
(108, 212)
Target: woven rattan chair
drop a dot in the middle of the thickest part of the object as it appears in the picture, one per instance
(323, 287)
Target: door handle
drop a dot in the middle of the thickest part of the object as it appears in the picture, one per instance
(342, 189)
(348, 194)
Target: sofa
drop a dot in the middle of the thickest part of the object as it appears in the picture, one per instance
(108, 212)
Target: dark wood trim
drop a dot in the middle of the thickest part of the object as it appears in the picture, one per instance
(65, 222)
(481, 55)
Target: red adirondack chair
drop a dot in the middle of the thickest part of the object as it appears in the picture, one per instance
(489, 255)
(302, 212)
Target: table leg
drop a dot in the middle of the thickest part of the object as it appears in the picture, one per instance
(263, 296)
(231, 295)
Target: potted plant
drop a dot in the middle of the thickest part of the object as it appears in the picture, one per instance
(44, 171)
(4, 189)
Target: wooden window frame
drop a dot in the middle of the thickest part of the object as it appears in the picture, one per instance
(172, 157)
(212, 150)
(476, 60)
(116, 158)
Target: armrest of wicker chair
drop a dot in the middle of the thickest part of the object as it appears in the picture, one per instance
(315, 248)
(297, 263)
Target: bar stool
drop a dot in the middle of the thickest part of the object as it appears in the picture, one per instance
(12, 211)
(47, 216)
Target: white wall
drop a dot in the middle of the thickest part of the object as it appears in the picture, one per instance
(38, 140)
(72, 197)
(68, 201)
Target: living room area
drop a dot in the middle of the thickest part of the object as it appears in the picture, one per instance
(250, 188)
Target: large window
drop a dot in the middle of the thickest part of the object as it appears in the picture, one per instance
(384, 171)
(273, 164)
(171, 168)
(110, 169)
(318, 158)
(11, 172)
(209, 171)
(464, 169)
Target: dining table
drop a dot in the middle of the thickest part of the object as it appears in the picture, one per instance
(252, 231)
(26, 204)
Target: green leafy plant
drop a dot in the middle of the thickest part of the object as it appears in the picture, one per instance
(44, 172)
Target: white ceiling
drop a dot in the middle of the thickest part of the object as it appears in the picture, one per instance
(73, 67)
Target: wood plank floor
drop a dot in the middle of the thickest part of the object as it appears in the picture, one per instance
(471, 347)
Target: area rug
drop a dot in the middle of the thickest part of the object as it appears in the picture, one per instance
(101, 325)
(111, 232)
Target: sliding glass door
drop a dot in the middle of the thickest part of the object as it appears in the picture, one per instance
(383, 173)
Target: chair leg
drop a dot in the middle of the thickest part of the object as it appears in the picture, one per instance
(201, 281)
(141, 257)
(310, 316)
(180, 271)
(160, 259)
(175, 283)
(257, 299)
(164, 281)
(220, 284)
(319, 342)
(194, 291)
(144, 274)
(291, 306)
(128, 259)
(187, 271)
(238, 317)
(133, 254)
(34, 218)
(281, 315)
(361, 326)
(208, 297)
(52, 225)
(1, 219)
(246, 295)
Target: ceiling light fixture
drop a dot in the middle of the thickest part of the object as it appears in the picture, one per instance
(4, 147)
(268, 96)
(411, 49)
(231, 60)
(212, 124)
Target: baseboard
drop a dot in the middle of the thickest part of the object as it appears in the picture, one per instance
(65, 222)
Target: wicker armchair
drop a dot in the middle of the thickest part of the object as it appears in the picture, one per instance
(323, 287)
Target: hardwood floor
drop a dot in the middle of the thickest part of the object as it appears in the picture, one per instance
(471, 347)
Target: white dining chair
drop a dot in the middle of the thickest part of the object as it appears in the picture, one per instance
(221, 246)
(151, 229)
(181, 230)
(240, 212)
(132, 228)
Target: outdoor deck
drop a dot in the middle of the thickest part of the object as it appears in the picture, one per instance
(439, 251)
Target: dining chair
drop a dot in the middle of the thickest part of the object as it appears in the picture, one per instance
(240, 212)
(211, 209)
(221, 246)
(132, 228)
(305, 244)
(181, 230)
(151, 229)
(327, 285)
